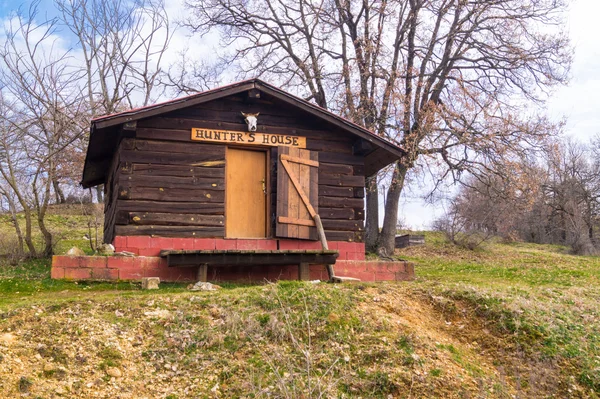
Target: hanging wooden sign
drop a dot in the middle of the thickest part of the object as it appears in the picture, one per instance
(252, 138)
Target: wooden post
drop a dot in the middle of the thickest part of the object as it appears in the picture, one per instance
(303, 272)
(321, 232)
(202, 273)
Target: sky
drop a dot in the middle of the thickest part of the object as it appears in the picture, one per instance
(577, 102)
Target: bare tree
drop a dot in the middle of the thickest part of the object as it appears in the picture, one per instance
(122, 44)
(573, 194)
(12, 187)
(497, 204)
(40, 120)
(446, 79)
(554, 199)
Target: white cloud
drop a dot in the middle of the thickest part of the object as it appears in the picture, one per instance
(578, 102)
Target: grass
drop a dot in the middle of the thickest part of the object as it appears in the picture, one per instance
(67, 223)
(541, 297)
(30, 282)
(506, 265)
(505, 320)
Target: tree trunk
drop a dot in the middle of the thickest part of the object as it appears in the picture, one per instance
(372, 216)
(13, 215)
(58, 193)
(41, 216)
(48, 247)
(28, 239)
(390, 219)
(100, 193)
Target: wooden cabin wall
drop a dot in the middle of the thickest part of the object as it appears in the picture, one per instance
(169, 189)
(110, 200)
(163, 156)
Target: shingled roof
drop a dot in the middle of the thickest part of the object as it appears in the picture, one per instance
(105, 132)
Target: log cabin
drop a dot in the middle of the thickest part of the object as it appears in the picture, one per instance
(245, 181)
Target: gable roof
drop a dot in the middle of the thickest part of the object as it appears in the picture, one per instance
(104, 136)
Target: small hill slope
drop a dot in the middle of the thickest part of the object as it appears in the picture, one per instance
(286, 340)
(505, 321)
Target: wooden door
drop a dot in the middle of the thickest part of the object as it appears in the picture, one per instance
(246, 199)
(297, 193)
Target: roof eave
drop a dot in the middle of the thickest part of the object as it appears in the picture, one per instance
(107, 121)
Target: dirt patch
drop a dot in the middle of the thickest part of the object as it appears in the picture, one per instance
(451, 365)
(477, 359)
(370, 341)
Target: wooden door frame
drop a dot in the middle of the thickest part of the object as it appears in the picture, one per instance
(267, 153)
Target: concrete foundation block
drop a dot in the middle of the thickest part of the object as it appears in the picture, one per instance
(150, 283)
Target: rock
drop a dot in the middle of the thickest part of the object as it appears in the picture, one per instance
(204, 286)
(159, 313)
(7, 338)
(114, 372)
(48, 367)
(150, 283)
(75, 252)
(106, 249)
(24, 384)
(124, 253)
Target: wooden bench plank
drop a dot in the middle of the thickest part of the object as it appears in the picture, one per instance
(166, 252)
(248, 258)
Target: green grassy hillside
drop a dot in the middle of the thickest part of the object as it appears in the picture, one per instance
(67, 223)
(505, 321)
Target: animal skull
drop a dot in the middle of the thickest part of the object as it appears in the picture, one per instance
(251, 120)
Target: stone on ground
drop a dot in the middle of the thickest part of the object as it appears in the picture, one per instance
(106, 249)
(75, 252)
(150, 283)
(204, 286)
(114, 372)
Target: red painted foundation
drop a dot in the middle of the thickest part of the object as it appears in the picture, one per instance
(351, 262)
(151, 246)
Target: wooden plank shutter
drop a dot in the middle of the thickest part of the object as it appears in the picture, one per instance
(297, 193)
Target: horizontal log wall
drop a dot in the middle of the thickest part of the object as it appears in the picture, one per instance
(110, 200)
(165, 178)
(170, 189)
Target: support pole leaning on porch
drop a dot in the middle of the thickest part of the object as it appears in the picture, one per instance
(202, 275)
(323, 239)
